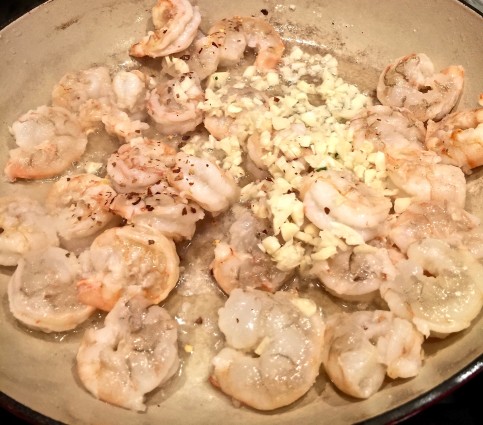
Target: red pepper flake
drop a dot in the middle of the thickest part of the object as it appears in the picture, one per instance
(2, 230)
(184, 212)
(185, 137)
(149, 207)
(276, 99)
(199, 320)
(185, 57)
(264, 12)
(327, 210)
(150, 242)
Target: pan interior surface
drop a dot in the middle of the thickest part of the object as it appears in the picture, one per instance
(64, 35)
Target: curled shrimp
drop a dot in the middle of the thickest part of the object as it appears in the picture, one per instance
(139, 164)
(81, 205)
(411, 82)
(176, 23)
(419, 174)
(227, 40)
(458, 139)
(24, 226)
(123, 257)
(333, 197)
(388, 129)
(443, 221)
(50, 139)
(240, 263)
(162, 208)
(42, 292)
(130, 89)
(273, 348)
(439, 288)
(203, 182)
(173, 104)
(357, 273)
(134, 353)
(362, 347)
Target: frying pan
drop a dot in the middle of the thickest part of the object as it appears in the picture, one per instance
(37, 371)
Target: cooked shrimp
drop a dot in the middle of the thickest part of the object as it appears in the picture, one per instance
(332, 197)
(439, 288)
(130, 89)
(117, 123)
(162, 208)
(411, 82)
(420, 175)
(388, 129)
(42, 292)
(356, 273)
(227, 40)
(139, 164)
(135, 352)
(76, 88)
(458, 139)
(127, 256)
(362, 347)
(240, 263)
(203, 182)
(80, 205)
(176, 23)
(421, 220)
(24, 226)
(174, 104)
(50, 139)
(273, 348)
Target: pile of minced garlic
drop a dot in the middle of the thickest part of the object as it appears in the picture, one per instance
(306, 90)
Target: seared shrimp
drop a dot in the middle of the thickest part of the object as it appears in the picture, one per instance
(24, 226)
(173, 104)
(127, 256)
(42, 292)
(117, 123)
(130, 89)
(388, 129)
(356, 273)
(458, 139)
(162, 208)
(227, 40)
(443, 221)
(139, 164)
(411, 82)
(50, 139)
(439, 288)
(333, 197)
(420, 175)
(240, 263)
(362, 347)
(176, 23)
(81, 205)
(273, 348)
(135, 352)
(203, 182)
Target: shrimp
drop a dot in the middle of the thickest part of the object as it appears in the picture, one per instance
(176, 23)
(139, 164)
(387, 129)
(123, 257)
(421, 220)
(76, 88)
(134, 353)
(361, 348)
(162, 208)
(203, 182)
(24, 226)
(117, 123)
(273, 348)
(227, 40)
(240, 263)
(50, 139)
(411, 82)
(419, 174)
(439, 288)
(80, 205)
(336, 197)
(356, 273)
(42, 292)
(458, 139)
(130, 90)
(174, 104)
